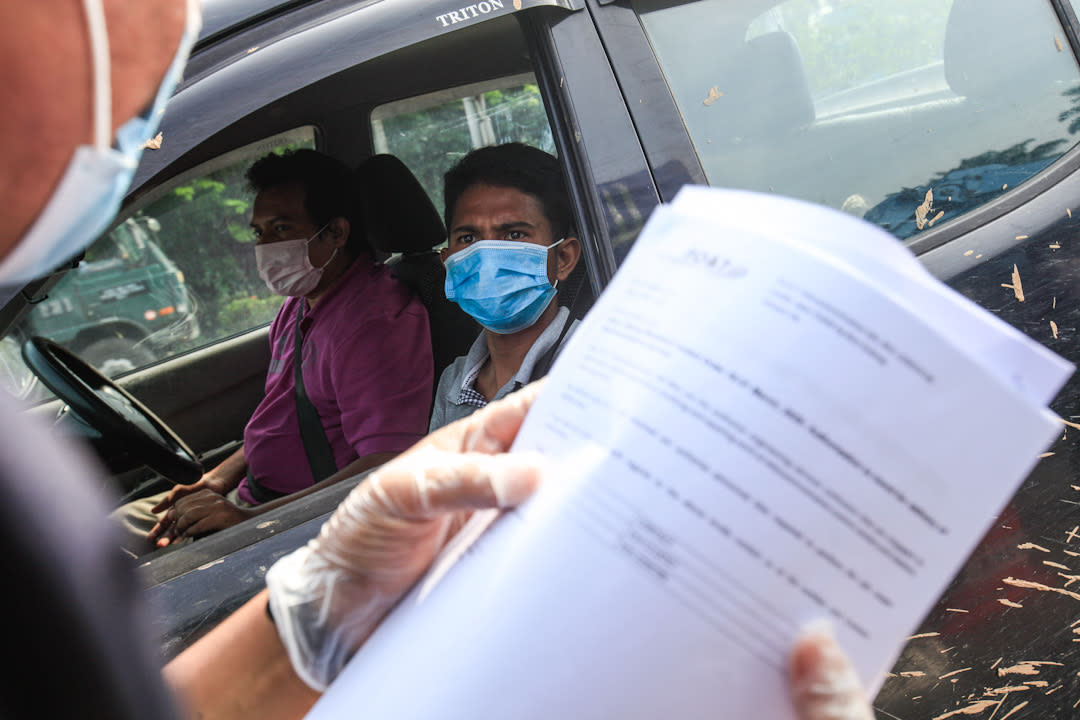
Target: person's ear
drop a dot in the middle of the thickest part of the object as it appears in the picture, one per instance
(337, 232)
(567, 255)
(443, 252)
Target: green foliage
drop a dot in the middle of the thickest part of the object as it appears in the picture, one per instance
(240, 232)
(1073, 113)
(839, 52)
(429, 141)
(1018, 154)
(240, 207)
(242, 313)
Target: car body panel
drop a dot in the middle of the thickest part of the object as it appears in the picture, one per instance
(220, 17)
(609, 178)
(255, 75)
(196, 586)
(624, 148)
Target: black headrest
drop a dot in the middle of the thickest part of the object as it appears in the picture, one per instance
(764, 89)
(398, 214)
(999, 48)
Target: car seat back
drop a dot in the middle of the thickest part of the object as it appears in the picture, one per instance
(764, 91)
(402, 221)
(998, 50)
(756, 113)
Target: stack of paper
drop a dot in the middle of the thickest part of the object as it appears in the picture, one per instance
(773, 414)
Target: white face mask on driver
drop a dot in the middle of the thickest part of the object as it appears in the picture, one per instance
(286, 268)
(98, 176)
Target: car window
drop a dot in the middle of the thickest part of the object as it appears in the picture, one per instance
(430, 133)
(906, 112)
(175, 274)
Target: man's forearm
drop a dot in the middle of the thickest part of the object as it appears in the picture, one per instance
(240, 669)
(353, 469)
(230, 471)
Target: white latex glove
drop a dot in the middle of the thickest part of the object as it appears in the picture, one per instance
(327, 597)
(824, 685)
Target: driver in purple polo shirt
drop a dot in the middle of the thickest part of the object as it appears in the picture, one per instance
(366, 359)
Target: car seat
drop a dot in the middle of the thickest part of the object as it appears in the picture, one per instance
(753, 132)
(999, 50)
(402, 222)
(1015, 85)
(765, 92)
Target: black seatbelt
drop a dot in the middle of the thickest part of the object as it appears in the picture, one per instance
(259, 492)
(316, 446)
(545, 361)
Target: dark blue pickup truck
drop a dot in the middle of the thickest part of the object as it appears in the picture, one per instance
(950, 123)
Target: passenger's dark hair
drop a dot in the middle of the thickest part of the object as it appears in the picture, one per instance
(516, 166)
(330, 189)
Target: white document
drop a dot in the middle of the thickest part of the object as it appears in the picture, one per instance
(1032, 368)
(746, 434)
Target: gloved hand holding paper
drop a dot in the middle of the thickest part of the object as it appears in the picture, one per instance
(771, 416)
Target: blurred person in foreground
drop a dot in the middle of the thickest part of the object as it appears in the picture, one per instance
(81, 638)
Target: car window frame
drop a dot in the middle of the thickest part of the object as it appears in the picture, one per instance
(598, 145)
(662, 132)
(297, 49)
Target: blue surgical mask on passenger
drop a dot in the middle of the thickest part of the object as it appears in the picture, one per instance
(502, 284)
(98, 176)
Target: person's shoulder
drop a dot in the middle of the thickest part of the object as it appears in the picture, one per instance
(376, 308)
(446, 392)
(575, 323)
(66, 562)
(377, 284)
(390, 283)
(284, 313)
(449, 385)
(452, 373)
(391, 300)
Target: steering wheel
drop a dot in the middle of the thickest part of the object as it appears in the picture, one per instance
(110, 410)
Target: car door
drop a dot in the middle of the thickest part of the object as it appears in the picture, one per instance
(952, 124)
